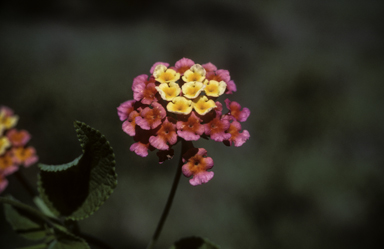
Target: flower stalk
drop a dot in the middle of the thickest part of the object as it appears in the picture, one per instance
(185, 146)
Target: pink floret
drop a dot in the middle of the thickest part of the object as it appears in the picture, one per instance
(183, 65)
(236, 137)
(223, 75)
(149, 94)
(18, 138)
(216, 129)
(140, 149)
(139, 80)
(9, 170)
(8, 111)
(240, 140)
(31, 160)
(190, 130)
(209, 67)
(125, 109)
(236, 112)
(200, 178)
(129, 128)
(231, 87)
(151, 118)
(158, 63)
(165, 135)
(197, 166)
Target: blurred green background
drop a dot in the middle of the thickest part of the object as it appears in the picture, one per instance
(311, 72)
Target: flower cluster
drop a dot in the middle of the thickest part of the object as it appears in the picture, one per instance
(13, 149)
(180, 102)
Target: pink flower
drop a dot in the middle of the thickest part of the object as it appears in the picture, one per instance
(191, 129)
(151, 118)
(183, 65)
(125, 109)
(140, 149)
(236, 112)
(231, 87)
(129, 125)
(143, 90)
(8, 164)
(196, 165)
(236, 137)
(18, 138)
(165, 136)
(25, 156)
(216, 129)
(209, 67)
(219, 75)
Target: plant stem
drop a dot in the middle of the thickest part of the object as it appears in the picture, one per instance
(185, 145)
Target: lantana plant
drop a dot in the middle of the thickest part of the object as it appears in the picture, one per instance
(172, 104)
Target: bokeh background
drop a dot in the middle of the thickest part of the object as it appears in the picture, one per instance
(311, 72)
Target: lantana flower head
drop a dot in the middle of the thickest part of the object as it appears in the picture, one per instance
(182, 102)
(14, 151)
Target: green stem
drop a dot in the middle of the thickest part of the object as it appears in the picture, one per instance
(185, 145)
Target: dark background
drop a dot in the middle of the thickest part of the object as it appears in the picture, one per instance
(311, 72)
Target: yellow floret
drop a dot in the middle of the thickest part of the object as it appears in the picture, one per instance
(214, 88)
(164, 75)
(4, 144)
(203, 105)
(192, 89)
(168, 91)
(195, 73)
(180, 105)
(7, 122)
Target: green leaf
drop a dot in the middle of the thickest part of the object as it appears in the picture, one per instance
(66, 240)
(194, 243)
(78, 189)
(25, 220)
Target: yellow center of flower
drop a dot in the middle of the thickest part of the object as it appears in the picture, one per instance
(180, 105)
(192, 89)
(195, 73)
(168, 91)
(214, 88)
(164, 75)
(203, 105)
(4, 144)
